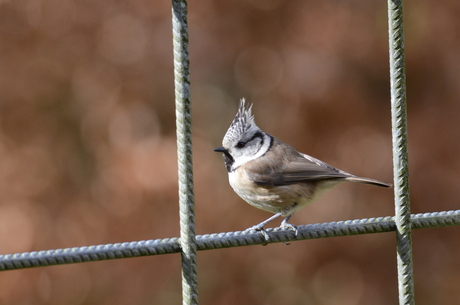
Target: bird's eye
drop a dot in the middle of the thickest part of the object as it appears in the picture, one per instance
(240, 144)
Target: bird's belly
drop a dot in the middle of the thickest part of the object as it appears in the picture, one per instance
(286, 199)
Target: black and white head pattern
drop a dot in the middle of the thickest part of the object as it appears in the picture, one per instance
(244, 140)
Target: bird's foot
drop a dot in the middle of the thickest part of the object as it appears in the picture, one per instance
(262, 231)
(260, 227)
(285, 224)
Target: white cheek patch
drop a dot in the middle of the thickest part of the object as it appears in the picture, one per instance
(262, 150)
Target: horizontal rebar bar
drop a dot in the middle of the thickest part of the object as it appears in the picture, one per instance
(222, 240)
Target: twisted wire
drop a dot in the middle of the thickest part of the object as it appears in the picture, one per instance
(222, 240)
(400, 156)
(184, 152)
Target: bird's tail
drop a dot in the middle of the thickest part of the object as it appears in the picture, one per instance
(368, 181)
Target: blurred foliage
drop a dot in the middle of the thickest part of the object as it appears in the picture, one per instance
(87, 144)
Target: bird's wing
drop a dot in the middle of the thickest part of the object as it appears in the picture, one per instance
(304, 168)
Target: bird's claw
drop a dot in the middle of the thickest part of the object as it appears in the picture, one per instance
(292, 227)
(262, 231)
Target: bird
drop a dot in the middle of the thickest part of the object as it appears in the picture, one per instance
(271, 175)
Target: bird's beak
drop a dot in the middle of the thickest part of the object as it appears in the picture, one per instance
(220, 149)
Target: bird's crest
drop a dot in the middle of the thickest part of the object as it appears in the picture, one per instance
(243, 122)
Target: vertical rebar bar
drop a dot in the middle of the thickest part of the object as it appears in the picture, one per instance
(184, 153)
(400, 157)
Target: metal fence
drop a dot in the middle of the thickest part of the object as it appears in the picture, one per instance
(188, 243)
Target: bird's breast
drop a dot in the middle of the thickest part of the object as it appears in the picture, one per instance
(284, 199)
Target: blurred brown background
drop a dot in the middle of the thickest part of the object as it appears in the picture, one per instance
(87, 144)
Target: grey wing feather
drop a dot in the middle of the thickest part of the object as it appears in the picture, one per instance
(296, 167)
(307, 168)
(302, 169)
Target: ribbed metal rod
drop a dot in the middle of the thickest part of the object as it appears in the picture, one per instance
(221, 240)
(184, 153)
(400, 156)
